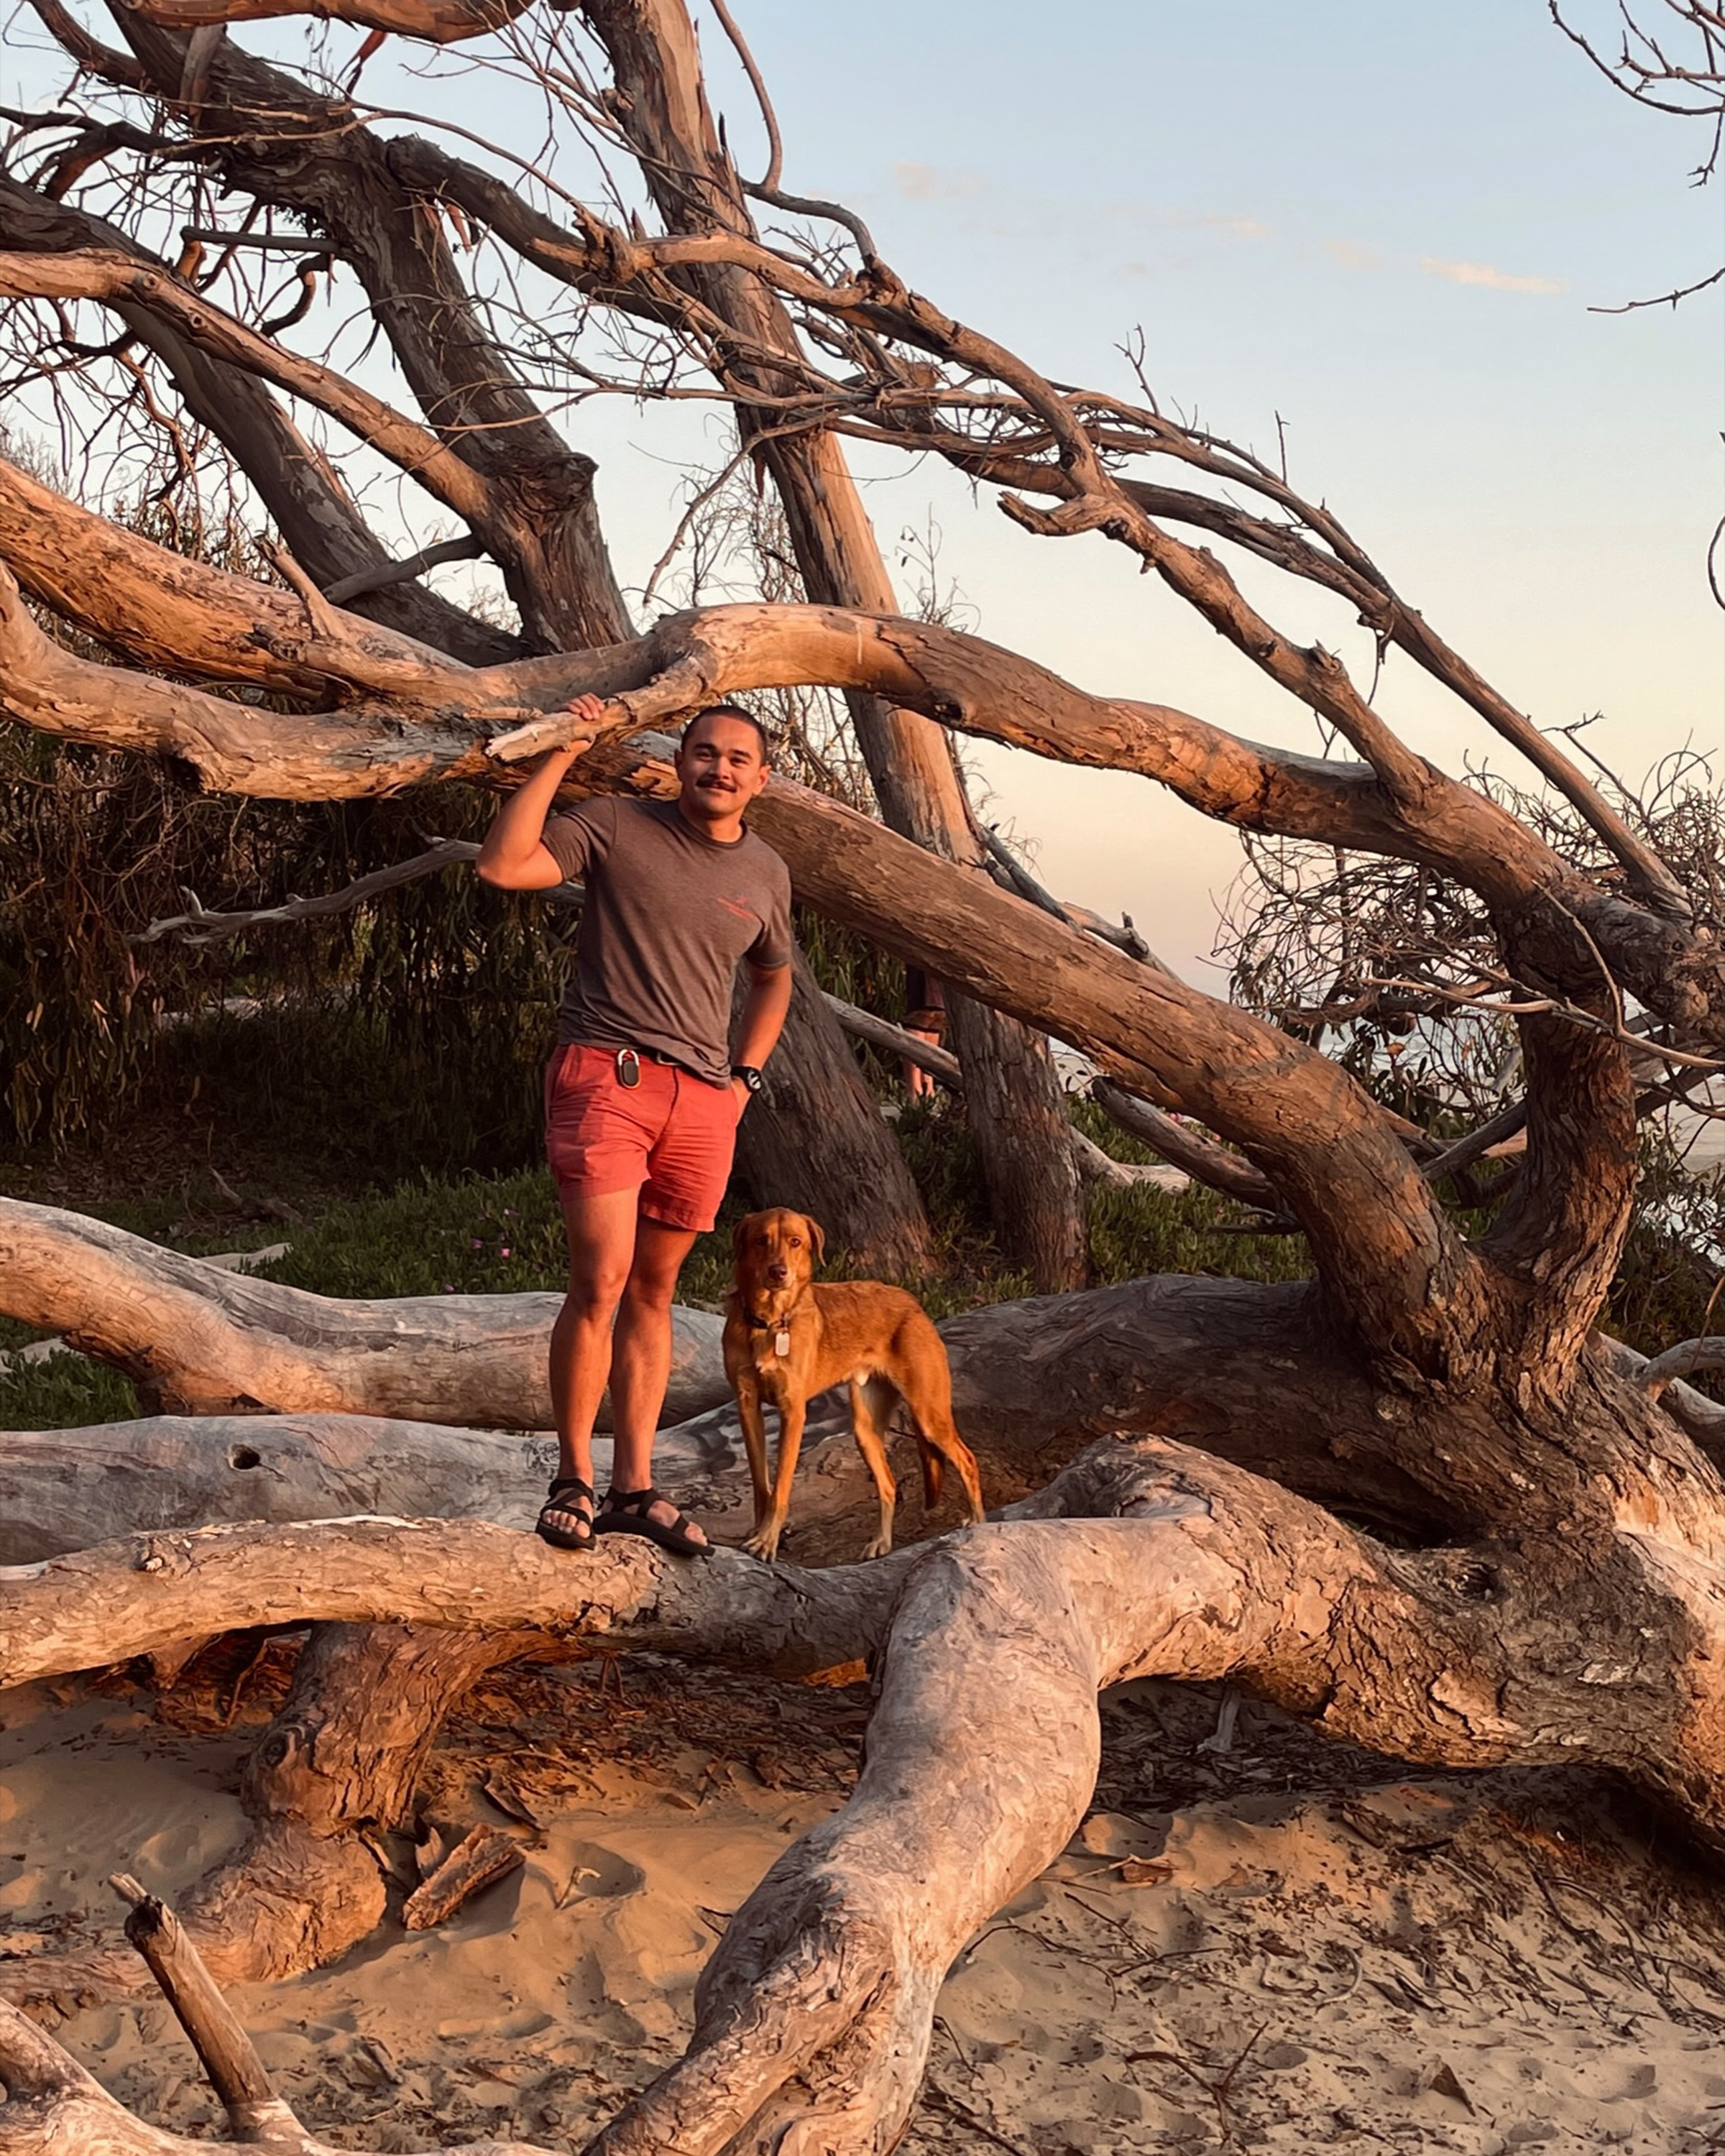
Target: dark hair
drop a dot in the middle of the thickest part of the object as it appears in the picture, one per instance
(733, 712)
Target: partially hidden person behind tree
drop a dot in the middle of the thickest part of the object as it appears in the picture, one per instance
(644, 1091)
(925, 1020)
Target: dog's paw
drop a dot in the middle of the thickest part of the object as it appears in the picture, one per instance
(878, 1547)
(764, 1546)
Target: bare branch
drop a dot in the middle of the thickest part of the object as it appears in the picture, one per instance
(347, 589)
(116, 277)
(1705, 1353)
(439, 21)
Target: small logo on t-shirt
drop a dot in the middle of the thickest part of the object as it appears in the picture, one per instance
(739, 904)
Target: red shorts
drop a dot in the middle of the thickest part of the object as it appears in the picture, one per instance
(670, 1137)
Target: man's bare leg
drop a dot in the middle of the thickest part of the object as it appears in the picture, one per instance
(641, 1358)
(602, 1248)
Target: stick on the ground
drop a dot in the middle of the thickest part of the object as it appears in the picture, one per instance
(485, 1855)
(255, 2114)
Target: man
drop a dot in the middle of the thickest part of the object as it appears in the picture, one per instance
(644, 1094)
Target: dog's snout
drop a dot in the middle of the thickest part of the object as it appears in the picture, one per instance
(778, 1271)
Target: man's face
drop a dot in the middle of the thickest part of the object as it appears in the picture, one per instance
(720, 768)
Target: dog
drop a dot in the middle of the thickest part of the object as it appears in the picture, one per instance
(787, 1339)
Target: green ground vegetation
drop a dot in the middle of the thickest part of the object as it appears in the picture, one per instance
(470, 1233)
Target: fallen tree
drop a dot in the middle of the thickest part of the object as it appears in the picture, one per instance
(199, 1339)
(1555, 1591)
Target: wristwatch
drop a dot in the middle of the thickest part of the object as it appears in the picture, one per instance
(752, 1078)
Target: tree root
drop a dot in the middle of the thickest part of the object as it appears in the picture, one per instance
(812, 2019)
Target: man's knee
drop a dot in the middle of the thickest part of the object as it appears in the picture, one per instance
(651, 1290)
(595, 1290)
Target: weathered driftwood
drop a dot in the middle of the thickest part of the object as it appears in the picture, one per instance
(813, 2018)
(255, 2112)
(1560, 1594)
(199, 1340)
(54, 2107)
(66, 1489)
(1033, 1381)
(484, 1857)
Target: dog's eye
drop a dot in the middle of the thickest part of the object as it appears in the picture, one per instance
(796, 1242)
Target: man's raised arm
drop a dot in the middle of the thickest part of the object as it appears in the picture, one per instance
(514, 856)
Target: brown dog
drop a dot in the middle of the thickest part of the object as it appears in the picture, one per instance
(787, 1339)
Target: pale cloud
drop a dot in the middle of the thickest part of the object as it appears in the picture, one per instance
(1352, 255)
(1482, 273)
(918, 182)
(1242, 228)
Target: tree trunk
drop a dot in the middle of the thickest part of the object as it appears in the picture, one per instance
(66, 1489)
(1013, 1096)
(1032, 1382)
(817, 1141)
(338, 1764)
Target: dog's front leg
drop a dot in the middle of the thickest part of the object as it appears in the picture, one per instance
(754, 1440)
(791, 1414)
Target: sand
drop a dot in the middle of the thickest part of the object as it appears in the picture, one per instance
(1276, 1946)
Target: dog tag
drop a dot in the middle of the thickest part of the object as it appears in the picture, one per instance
(782, 1341)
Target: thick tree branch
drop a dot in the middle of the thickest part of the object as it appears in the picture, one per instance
(93, 1607)
(169, 612)
(1683, 1361)
(206, 1341)
(1200, 1156)
(104, 580)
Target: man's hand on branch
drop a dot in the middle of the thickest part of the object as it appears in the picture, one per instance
(594, 714)
(591, 711)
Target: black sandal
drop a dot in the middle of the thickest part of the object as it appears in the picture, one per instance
(561, 1537)
(628, 1513)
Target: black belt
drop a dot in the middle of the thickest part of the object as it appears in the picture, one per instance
(628, 1062)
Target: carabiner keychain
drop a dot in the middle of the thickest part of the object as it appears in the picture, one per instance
(629, 1068)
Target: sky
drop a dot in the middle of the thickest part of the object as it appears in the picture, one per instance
(1386, 227)
(1387, 223)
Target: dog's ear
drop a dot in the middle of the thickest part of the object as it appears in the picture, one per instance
(817, 1240)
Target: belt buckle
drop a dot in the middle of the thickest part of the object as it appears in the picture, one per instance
(629, 1068)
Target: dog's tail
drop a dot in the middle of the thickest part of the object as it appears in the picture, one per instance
(933, 1472)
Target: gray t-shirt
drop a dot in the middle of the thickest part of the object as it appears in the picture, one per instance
(670, 915)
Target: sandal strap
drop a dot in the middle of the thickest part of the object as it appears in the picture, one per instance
(565, 1487)
(634, 1500)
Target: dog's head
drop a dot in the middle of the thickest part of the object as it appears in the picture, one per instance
(777, 1251)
